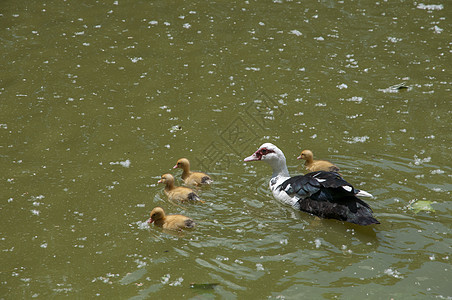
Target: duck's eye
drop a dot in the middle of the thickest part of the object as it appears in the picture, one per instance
(264, 151)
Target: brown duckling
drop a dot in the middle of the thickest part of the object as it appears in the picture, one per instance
(170, 222)
(316, 165)
(189, 177)
(178, 193)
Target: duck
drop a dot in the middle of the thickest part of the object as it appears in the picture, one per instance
(316, 165)
(178, 193)
(189, 177)
(170, 222)
(321, 193)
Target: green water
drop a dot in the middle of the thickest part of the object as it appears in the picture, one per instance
(99, 99)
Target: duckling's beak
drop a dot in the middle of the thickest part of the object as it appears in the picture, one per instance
(175, 167)
(160, 181)
(299, 157)
(150, 221)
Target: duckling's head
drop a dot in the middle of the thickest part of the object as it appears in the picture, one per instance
(182, 163)
(306, 155)
(167, 179)
(156, 214)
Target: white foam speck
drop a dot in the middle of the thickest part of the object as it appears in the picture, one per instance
(355, 99)
(358, 139)
(393, 273)
(430, 6)
(125, 163)
(296, 32)
(142, 225)
(437, 29)
(317, 243)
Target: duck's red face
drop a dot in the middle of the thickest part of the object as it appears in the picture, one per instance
(261, 152)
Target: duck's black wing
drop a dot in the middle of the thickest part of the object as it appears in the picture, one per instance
(328, 195)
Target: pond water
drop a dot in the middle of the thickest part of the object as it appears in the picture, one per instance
(100, 98)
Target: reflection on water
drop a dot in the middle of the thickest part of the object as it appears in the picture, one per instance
(100, 99)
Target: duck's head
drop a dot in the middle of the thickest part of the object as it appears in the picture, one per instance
(273, 156)
(156, 214)
(182, 163)
(266, 152)
(166, 179)
(306, 155)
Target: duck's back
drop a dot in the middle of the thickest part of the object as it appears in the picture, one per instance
(175, 222)
(181, 193)
(328, 195)
(197, 178)
(322, 165)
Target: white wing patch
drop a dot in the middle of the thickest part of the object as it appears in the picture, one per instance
(347, 188)
(282, 195)
(320, 180)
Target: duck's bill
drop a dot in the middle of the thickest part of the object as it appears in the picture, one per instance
(253, 157)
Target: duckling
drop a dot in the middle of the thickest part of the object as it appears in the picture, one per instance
(177, 193)
(170, 222)
(316, 165)
(192, 178)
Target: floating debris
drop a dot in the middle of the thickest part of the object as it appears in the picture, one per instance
(175, 128)
(203, 286)
(396, 88)
(421, 205)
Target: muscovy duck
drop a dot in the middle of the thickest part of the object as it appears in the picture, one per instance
(178, 193)
(323, 194)
(170, 222)
(189, 177)
(316, 165)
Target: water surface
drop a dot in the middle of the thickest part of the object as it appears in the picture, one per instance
(99, 99)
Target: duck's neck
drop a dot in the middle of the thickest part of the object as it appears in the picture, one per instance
(186, 171)
(169, 186)
(279, 167)
(160, 222)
